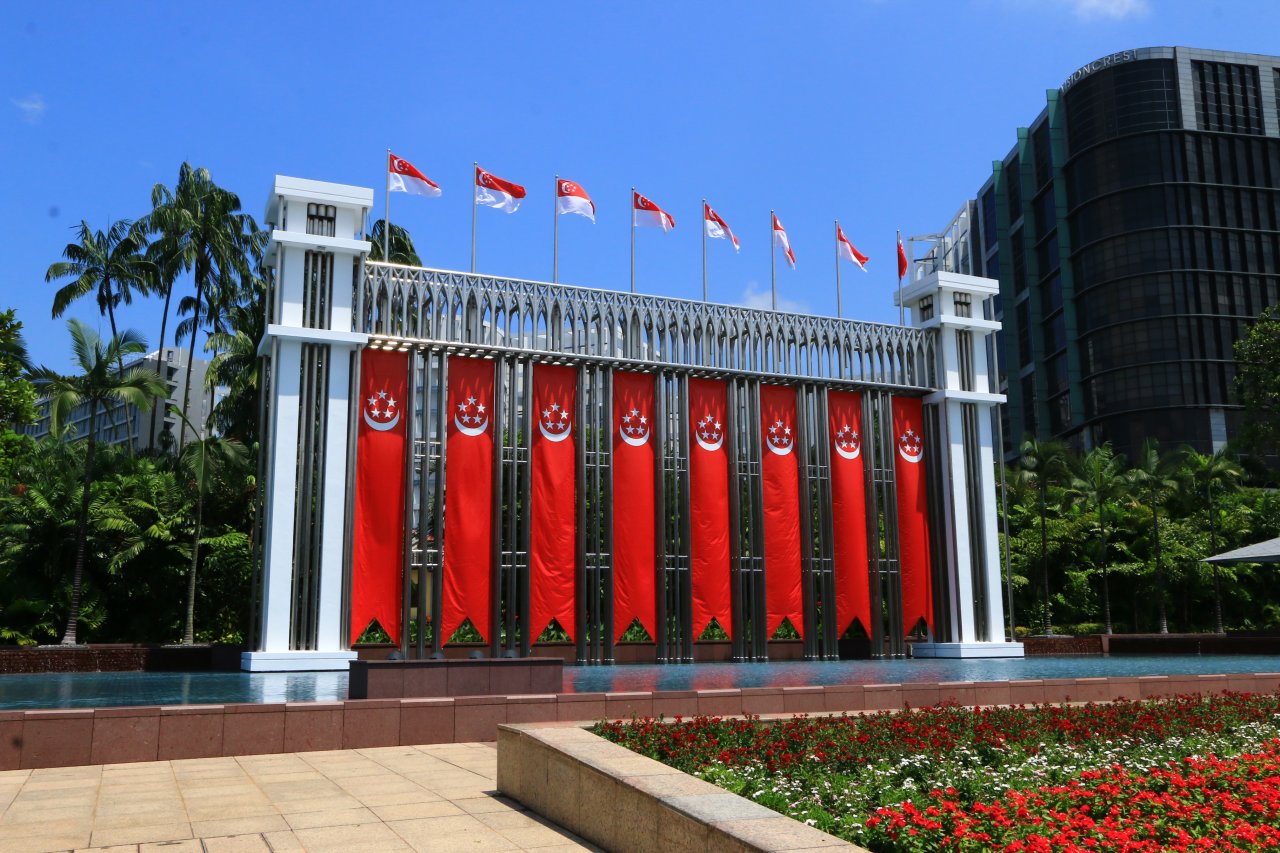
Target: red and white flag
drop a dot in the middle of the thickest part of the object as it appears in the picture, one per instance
(572, 198)
(402, 177)
(647, 214)
(848, 251)
(902, 258)
(780, 241)
(495, 192)
(717, 227)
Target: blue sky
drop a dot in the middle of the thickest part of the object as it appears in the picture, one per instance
(883, 114)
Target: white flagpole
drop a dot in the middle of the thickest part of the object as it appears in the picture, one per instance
(773, 262)
(704, 250)
(902, 321)
(633, 239)
(474, 170)
(555, 233)
(839, 310)
(386, 214)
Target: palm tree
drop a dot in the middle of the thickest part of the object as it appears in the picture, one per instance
(203, 231)
(1046, 461)
(98, 385)
(235, 367)
(400, 248)
(1099, 478)
(167, 268)
(205, 461)
(109, 265)
(1154, 475)
(1207, 474)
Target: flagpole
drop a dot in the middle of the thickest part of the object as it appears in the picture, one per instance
(475, 169)
(773, 262)
(633, 239)
(386, 214)
(902, 321)
(839, 309)
(704, 250)
(555, 233)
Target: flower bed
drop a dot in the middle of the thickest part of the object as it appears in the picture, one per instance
(1187, 773)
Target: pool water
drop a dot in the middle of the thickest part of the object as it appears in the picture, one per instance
(110, 689)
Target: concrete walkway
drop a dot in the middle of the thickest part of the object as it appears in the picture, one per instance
(428, 798)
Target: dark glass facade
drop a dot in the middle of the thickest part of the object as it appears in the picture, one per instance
(1135, 231)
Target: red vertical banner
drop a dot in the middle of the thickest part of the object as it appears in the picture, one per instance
(709, 504)
(634, 554)
(468, 497)
(913, 513)
(377, 563)
(780, 473)
(849, 510)
(553, 512)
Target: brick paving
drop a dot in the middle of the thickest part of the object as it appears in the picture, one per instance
(418, 798)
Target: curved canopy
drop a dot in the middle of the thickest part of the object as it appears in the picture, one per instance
(1259, 552)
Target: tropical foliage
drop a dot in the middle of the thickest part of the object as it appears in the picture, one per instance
(1097, 543)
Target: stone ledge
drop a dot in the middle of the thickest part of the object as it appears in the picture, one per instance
(620, 800)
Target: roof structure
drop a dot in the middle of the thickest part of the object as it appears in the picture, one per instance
(1259, 552)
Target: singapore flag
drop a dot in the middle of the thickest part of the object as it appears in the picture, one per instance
(717, 227)
(402, 177)
(495, 192)
(780, 241)
(572, 198)
(646, 213)
(848, 251)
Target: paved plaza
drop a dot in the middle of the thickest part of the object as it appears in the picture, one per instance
(428, 798)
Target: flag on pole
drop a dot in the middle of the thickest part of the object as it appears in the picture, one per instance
(572, 198)
(402, 177)
(717, 227)
(495, 192)
(902, 258)
(780, 241)
(647, 214)
(848, 251)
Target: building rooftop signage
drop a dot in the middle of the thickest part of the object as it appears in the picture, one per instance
(1097, 65)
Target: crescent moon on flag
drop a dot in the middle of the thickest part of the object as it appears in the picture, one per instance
(397, 164)
(779, 451)
(849, 454)
(466, 430)
(634, 442)
(381, 427)
(911, 457)
(706, 446)
(551, 436)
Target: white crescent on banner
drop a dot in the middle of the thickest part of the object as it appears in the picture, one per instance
(381, 427)
(633, 441)
(849, 454)
(551, 436)
(781, 451)
(707, 446)
(466, 430)
(910, 457)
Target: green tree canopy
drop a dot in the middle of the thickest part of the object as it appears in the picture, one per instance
(1258, 381)
(17, 394)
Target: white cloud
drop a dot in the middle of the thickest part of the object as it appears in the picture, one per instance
(32, 108)
(756, 296)
(1108, 10)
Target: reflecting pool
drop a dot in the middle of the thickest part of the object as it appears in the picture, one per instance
(108, 689)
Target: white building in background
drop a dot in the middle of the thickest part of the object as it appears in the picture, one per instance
(120, 424)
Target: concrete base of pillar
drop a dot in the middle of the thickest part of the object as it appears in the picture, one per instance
(966, 650)
(299, 661)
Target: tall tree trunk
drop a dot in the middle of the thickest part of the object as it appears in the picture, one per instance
(1044, 558)
(82, 531)
(162, 365)
(1162, 614)
(111, 316)
(191, 360)
(1217, 583)
(1106, 578)
(188, 631)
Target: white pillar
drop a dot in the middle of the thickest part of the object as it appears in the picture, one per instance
(951, 303)
(316, 221)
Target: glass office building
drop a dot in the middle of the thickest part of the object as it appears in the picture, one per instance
(1135, 232)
